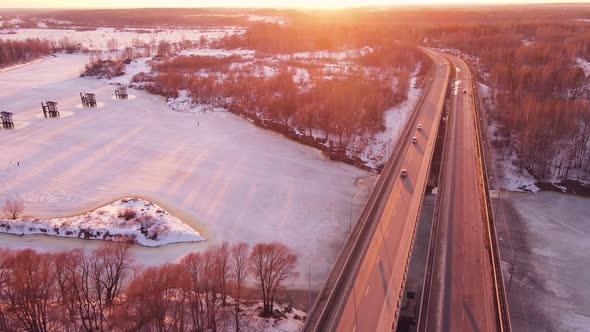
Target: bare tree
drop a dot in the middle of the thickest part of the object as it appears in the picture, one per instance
(192, 285)
(29, 292)
(272, 264)
(221, 255)
(81, 290)
(152, 301)
(210, 289)
(112, 44)
(115, 266)
(13, 207)
(4, 255)
(239, 269)
(128, 54)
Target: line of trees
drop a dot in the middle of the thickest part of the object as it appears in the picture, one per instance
(14, 52)
(104, 290)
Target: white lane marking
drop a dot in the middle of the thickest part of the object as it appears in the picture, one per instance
(367, 291)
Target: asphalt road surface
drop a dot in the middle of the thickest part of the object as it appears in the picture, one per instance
(462, 296)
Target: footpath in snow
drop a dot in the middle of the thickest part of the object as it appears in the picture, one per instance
(130, 220)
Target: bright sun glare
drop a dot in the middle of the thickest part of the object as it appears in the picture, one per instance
(324, 4)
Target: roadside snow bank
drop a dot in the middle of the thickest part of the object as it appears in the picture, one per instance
(131, 220)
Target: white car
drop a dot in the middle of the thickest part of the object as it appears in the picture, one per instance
(419, 127)
(464, 91)
(414, 140)
(403, 173)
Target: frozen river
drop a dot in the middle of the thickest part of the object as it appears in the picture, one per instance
(550, 235)
(227, 178)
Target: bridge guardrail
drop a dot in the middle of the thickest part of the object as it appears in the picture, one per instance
(501, 298)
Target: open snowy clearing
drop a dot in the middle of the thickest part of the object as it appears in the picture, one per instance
(130, 220)
(226, 178)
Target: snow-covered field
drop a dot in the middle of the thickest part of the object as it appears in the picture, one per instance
(99, 38)
(226, 178)
(549, 290)
(145, 223)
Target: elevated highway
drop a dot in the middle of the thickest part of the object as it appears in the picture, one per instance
(364, 289)
(463, 289)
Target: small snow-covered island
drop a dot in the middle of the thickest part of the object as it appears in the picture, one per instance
(128, 220)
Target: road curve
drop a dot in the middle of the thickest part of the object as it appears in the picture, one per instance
(364, 289)
(462, 293)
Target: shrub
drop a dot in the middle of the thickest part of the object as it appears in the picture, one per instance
(127, 213)
(104, 69)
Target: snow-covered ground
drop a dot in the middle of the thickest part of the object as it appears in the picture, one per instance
(147, 224)
(341, 55)
(549, 290)
(584, 64)
(98, 39)
(218, 53)
(3, 69)
(226, 178)
(291, 319)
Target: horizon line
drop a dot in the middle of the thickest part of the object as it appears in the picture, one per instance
(459, 3)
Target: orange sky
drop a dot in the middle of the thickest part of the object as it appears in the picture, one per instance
(241, 3)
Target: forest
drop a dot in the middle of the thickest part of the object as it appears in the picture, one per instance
(335, 99)
(104, 290)
(539, 90)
